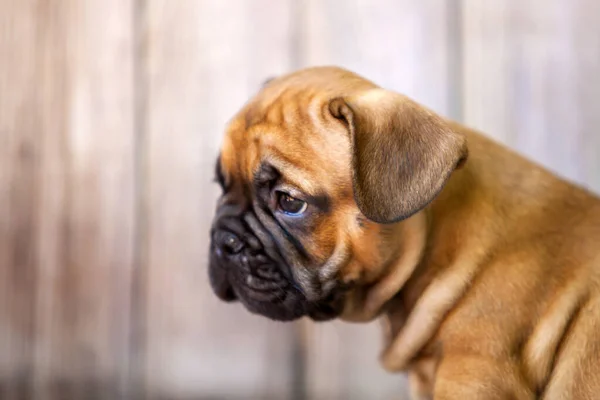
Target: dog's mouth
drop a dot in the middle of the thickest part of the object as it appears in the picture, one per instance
(261, 286)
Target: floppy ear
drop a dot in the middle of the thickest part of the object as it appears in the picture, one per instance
(402, 153)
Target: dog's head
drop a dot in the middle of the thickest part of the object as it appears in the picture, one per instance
(318, 170)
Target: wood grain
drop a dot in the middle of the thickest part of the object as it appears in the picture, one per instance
(19, 157)
(67, 204)
(204, 60)
(529, 82)
(88, 202)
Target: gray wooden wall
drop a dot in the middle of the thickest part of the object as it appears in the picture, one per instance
(111, 115)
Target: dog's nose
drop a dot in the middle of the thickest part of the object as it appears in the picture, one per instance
(227, 243)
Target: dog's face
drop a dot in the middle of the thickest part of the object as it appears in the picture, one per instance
(316, 172)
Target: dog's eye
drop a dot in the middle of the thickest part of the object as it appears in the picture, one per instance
(290, 205)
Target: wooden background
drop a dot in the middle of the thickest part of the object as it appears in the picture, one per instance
(111, 115)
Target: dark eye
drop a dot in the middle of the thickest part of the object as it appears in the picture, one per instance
(291, 205)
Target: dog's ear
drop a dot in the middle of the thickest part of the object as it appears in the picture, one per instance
(402, 153)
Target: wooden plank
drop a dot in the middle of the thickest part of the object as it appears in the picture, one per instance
(68, 126)
(19, 153)
(404, 46)
(205, 58)
(530, 80)
(584, 35)
(88, 203)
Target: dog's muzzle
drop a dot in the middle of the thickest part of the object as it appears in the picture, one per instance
(246, 269)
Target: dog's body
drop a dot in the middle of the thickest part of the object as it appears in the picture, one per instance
(506, 300)
(485, 268)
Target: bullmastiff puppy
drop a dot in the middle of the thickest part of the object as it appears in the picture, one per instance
(342, 199)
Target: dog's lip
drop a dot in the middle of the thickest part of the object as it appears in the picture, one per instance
(254, 291)
(224, 290)
(261, 278)
(258, 284)
(251, 280)
(229, 295)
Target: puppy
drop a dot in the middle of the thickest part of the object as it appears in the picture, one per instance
(345, 200)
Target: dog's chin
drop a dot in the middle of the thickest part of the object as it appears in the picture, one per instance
(293, 306)
(264, 290)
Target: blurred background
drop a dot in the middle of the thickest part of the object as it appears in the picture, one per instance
(111, 116)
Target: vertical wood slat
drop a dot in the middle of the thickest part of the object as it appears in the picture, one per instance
(66, 120)
(19, 155)
(205, 58)
(88, 205)
(585, 36)
(403, 46)
(529, 80)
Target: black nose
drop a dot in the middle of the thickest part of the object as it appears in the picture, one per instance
(227, 243)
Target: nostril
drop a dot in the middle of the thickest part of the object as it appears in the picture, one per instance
(229, 243)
